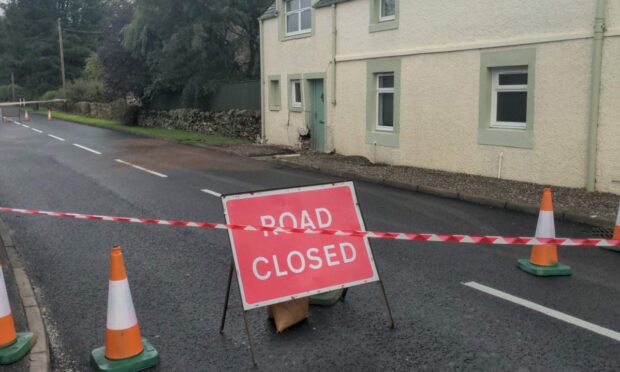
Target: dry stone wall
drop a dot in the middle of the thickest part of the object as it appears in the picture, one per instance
(231, 123)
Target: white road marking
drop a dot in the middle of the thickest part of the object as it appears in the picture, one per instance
(25, 126)
(87, 149)
(141, 168)
(36, 130)
(211, 192)
(58, 138)
(547, 311)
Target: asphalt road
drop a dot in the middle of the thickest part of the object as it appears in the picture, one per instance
(178, 275)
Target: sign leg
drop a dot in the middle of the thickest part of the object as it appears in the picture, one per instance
(230, 275)
(387, 305)
(247, 330)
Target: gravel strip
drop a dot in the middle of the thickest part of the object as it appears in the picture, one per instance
(578, 202)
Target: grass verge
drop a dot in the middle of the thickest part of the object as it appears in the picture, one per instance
(179, 135)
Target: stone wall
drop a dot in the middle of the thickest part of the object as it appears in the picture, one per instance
(115, 110)
(231, 123)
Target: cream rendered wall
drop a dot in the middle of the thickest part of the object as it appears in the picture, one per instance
(296, 56)
(440, 90)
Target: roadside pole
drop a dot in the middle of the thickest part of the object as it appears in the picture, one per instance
(62, 56)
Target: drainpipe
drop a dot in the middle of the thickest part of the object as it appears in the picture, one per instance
(262, 82)
(334, 37)
(595, 94)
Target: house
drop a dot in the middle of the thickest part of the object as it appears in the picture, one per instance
(525, 90)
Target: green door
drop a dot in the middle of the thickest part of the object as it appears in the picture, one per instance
(317, 115)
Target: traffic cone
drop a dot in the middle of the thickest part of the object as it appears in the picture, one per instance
(26, 116)
(13, 346)
(49, 114)
(125, 349)
(616, 233)
(544, 258)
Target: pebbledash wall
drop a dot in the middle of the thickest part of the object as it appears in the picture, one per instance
(440, 55)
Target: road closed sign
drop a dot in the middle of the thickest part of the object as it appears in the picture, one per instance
(274, 267)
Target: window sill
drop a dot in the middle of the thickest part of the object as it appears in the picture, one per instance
(383, 138)
(274, 108)
(296, 109)
(384, 26)
(297, 36)
(518, 138)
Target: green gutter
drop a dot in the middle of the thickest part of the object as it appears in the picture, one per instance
(595, 95)
(262, 80)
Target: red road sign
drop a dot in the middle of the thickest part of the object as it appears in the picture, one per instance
(275, 267)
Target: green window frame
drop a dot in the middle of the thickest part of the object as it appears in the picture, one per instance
(275, 95)
(283, 34)
(489, 133)
(379, 21)
(292, 80)
(376, 134)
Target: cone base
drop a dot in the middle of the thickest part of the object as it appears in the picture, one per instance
(327, 299)
(554, 270)
(18, 349)
(146, 359)
(615, 249)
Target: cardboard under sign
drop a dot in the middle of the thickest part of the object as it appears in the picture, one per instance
(274, 267)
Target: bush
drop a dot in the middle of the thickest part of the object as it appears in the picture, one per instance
(50, 95)
(6, 93)
(84, 90)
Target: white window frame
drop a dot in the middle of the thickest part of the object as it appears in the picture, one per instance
(496, 88)
(296, 84)
(380, 90)
(298, 12)
(387, 18)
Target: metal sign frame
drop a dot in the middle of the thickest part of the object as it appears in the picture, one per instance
(234, 266)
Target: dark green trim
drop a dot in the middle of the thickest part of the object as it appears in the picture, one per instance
(289, 93)
(520, 138)
(376, 25)
(374, 67)
(274, 94)
(282, 24)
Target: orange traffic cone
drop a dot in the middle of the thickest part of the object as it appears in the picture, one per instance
(13, 346)
(616, 233)
(49, 114)
(125, 349)
(544, 258)
(26, 116)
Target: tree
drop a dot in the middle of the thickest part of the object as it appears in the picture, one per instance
(122, 73)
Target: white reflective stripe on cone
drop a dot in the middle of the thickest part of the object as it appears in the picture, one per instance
(5, 308)
(546, 225)
(121, 313)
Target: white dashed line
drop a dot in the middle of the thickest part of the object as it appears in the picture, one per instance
(57, 138)
(142, 169)
(210, 192)
(547, 311)
(25, 126)
(87, 149)
(36, 130)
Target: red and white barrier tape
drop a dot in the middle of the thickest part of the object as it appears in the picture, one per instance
(464, 239)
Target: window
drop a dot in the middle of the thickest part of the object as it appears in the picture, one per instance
(385, 102)
(274, 93)
(384, 15)
(298, 16)
(509, 98)
(387, 11)
(296, 93)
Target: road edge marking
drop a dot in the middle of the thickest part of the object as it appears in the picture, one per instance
(40, 354)
(545, 310)
(36, 130)
(141, 168)
(211, 192)
(87, 149)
